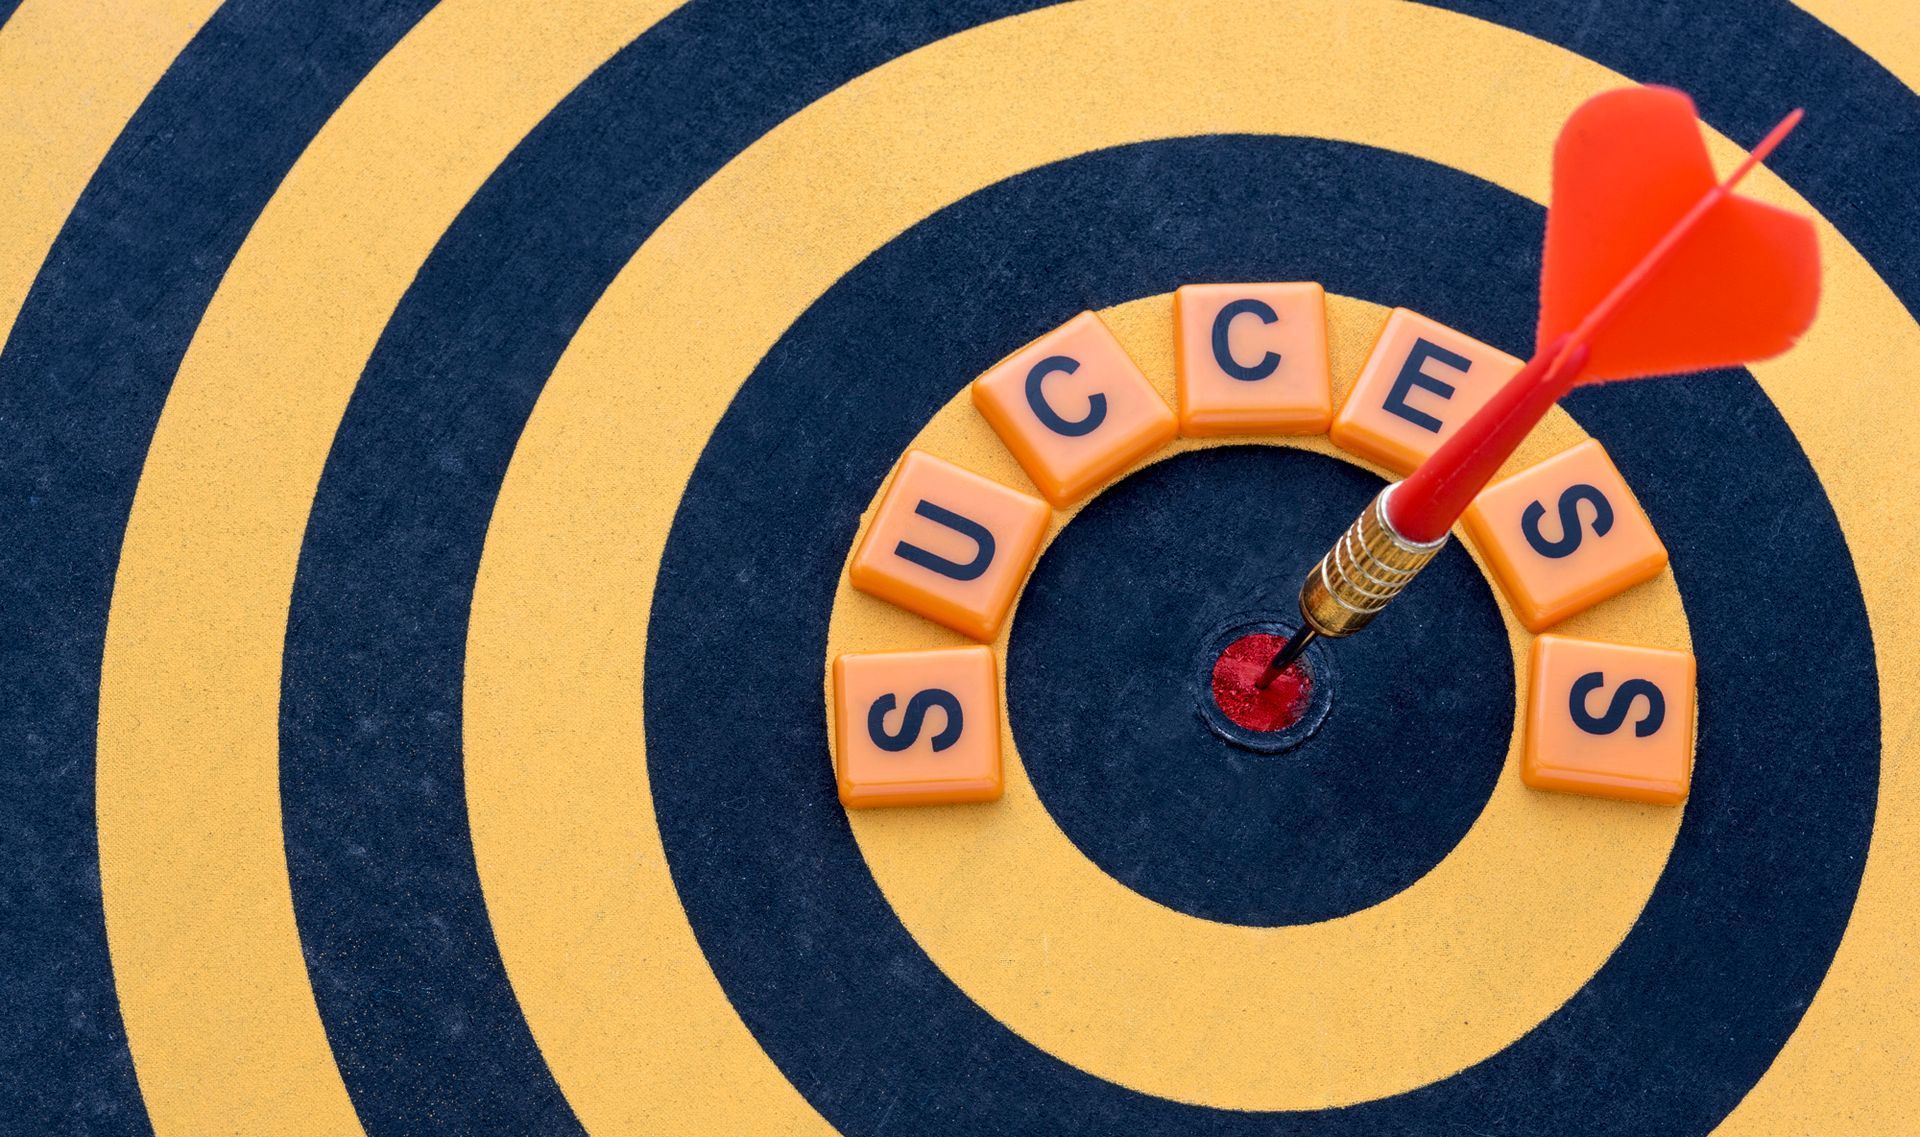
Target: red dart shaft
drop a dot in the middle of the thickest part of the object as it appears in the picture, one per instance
(1434, 496)
(1757, 256)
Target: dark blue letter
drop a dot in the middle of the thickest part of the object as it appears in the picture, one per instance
(966, 527)
(1223, 350)
(1411, 376)
(1617, 709)
(1570, 534)
(917, 708)
(1096, 403)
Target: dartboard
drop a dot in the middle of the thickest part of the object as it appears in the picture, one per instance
(438, 441)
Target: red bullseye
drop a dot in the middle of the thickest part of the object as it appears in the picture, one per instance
(1237, 670)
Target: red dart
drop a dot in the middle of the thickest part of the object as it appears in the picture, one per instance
(1651, 267)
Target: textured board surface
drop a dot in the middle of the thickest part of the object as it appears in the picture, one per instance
(432, 439)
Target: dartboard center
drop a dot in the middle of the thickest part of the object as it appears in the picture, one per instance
(1231, 705)
(1233, 685)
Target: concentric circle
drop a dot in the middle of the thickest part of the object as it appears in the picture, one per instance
(723, 331)
(1066, 965)
(1100, 670)
(377, 844)
(777, 602)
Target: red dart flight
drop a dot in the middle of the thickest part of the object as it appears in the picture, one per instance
(1651, 267)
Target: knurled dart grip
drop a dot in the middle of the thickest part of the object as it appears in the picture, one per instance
(1367, 567)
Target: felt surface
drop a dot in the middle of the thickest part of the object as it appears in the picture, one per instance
(84, 371)
(416, 409)
(1101, 661)
(1687, 969)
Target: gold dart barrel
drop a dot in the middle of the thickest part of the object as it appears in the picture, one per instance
(1366, 568)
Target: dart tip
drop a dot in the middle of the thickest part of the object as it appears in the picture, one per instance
(1284, 658)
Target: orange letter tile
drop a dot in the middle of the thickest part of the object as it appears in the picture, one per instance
(917, 727)
(1610, 720)
(1252, 359)
(1421, 381)
(950, 545)
(1073, 409)
(1564, 535)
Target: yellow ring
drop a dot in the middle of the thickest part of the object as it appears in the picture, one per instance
(1538, 893)
(75, 71)
(1846, 1078)
(561, 604)
(213, 987)
(1882, 30)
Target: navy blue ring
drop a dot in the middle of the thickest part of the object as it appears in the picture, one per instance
(1113, 646)
(138, 259)
(408, 977)
(82, 379)
(1713, 976)
(1747, 64)
(464, 359)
